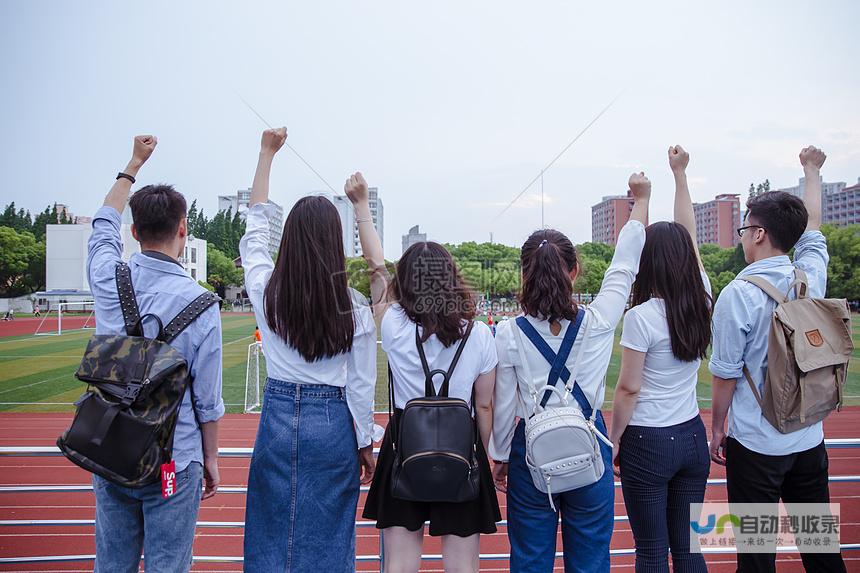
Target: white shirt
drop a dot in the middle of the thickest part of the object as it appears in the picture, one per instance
(668, 392)
(355, 370)
(398, 341)
(589, 358)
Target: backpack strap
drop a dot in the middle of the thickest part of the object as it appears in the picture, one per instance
(127, 300)
(429, 390)
(801, 283)
(557, 361)
(767, 287)
(188, 315)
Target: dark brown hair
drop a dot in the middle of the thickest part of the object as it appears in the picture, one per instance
(307, 300)
(547, 259)
(157, 211)
(431, 290)
(669, 269)
(783, 216)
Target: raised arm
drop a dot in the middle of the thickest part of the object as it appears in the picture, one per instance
(271, 142)
(371, 247)
(614, 293)
(640, 187)
(684, 215)
(812, 158)
(117, 197)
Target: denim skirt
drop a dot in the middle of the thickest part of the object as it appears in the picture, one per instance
(303, 483)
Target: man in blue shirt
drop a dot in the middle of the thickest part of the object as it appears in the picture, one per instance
(129, 521)
(762, 464)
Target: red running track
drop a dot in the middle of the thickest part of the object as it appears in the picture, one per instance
(239, 431)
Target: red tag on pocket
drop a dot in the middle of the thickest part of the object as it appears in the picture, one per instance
(168, 479)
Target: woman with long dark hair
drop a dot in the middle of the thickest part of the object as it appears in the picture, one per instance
(315, 433)
(661, 449)
(428, 308)
(550, 318)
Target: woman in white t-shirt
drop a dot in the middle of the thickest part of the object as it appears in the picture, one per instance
(661, 449)
(428, 300)
(550, 268)
(314, 441)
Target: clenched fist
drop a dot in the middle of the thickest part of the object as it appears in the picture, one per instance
(812, 157)
(356, 188)
(640, 186)
(678, 158)
(144, 145)
(273, 140)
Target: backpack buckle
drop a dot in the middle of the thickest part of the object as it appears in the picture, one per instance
(131, 392)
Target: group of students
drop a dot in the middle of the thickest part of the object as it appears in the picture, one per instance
(314, 445)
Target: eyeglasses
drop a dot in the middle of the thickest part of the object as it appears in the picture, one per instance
(742, 229)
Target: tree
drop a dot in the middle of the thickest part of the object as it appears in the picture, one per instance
(843, 271)
(222, 270)
(19, 253)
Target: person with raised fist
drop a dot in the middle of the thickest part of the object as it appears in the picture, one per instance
(143, 520)
(660, 446)
(559, 342)
(764, 464)
(314, 443)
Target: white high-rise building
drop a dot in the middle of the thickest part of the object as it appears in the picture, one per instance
(351, 242)
(412, 237)
(66, 255)
(239, 202)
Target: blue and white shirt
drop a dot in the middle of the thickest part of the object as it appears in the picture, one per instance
(162, 288)
(742, 318)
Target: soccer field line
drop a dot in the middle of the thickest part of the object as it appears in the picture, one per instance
(34, 384)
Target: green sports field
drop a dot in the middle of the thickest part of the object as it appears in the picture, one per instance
(37, 373)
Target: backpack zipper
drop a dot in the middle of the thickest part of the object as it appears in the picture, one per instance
(449, 454)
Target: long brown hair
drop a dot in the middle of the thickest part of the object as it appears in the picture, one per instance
(307, 299)
(669, 270)
(547, 259)
(431, 290)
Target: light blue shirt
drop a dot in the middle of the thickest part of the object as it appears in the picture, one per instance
(742, 318)
(162, 288)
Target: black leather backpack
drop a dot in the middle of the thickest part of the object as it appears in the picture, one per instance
(435, 454)
(124, 424)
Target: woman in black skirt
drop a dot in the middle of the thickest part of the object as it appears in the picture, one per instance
(428, 294)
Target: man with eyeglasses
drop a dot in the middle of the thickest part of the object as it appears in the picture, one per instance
(762, 464)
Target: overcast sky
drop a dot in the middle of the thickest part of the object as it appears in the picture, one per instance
(450, 108)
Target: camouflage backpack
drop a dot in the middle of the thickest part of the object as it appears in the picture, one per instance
(124, 424)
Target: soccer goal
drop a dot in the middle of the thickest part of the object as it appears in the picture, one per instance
(252, 378)
(68, 315)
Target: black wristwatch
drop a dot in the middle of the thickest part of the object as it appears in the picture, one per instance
(122, 175)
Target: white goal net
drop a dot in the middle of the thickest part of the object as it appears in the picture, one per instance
(252, 378)
(66, 316)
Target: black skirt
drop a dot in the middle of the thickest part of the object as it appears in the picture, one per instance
(462, 519)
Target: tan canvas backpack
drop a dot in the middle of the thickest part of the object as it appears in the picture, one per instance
(807, 355)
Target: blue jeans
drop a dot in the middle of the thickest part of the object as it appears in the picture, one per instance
(663, 471)
(129, 521)
(303, 483)
(587, 517)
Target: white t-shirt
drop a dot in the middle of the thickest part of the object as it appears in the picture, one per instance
(355, 371)
(668, 393)
(398, 341)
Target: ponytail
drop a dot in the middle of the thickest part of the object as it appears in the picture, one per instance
(547, 259)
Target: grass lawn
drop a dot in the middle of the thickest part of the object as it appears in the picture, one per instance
(37, 373)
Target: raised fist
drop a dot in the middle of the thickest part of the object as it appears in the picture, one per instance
(678, 158)
(144, 145)
(812, 157)
(640, 186)
(273, 140)
(356, 188)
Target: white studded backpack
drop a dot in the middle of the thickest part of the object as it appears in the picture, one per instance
(562, 448)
